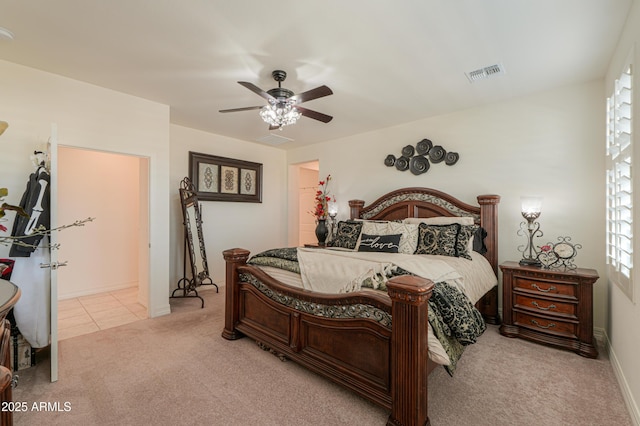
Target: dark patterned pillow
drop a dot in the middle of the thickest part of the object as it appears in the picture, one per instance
(478, 240)
(380, 243)
(438, 239)
(465, 235)
(347, 234)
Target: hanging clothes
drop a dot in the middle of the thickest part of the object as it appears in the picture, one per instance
(36, 202)
(32, 312)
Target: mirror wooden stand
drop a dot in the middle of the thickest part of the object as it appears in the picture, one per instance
(193, 245)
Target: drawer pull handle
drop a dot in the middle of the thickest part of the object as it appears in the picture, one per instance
(534, 285)
(537, 324)
(552, 306)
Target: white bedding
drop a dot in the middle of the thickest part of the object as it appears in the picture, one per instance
(474, 277)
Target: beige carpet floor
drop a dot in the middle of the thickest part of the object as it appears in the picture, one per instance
(177, 370)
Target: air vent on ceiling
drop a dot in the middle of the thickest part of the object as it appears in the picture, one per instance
(274, 140)
(486, 72)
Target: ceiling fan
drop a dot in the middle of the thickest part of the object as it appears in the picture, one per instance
(283, 106)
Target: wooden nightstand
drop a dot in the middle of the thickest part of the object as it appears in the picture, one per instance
(549, 306)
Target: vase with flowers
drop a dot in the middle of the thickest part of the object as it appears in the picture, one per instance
(321, 211)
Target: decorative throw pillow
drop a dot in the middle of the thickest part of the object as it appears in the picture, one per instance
(409, 232)
(380, 243)
(478, 241)
(465, 240)
(371, 227)
(347, 234)
(437, 239)
(409, 239)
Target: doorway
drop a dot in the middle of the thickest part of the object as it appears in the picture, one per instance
(303, 184)
(106, 283)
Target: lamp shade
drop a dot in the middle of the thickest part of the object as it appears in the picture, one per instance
(333, 208)
(531, 205)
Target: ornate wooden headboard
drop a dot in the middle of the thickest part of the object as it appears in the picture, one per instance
(427, 202)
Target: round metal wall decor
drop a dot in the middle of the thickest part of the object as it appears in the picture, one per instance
(424, 146)
(390, 160)
(451, 158)
(418, 165)
(418, 160)
(408, 151)
(437, 153)
(402, 163)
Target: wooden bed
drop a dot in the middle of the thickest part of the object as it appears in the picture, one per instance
(388, 365)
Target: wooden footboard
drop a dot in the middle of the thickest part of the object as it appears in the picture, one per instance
(348, 339)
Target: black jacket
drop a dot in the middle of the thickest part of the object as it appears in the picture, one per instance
(35, 201)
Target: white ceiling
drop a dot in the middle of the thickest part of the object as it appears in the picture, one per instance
(387, 62)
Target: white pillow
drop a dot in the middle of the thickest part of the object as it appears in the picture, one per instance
(409, 239)
(440, 220)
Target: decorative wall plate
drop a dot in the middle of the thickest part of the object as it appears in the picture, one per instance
(408, 151)
(418, 165)
(423, 146)
(402, 163)
(437, 153)
(390, 160)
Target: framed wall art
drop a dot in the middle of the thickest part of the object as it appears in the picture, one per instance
(225, 179)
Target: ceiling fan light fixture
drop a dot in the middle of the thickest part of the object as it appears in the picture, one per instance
(280, 113)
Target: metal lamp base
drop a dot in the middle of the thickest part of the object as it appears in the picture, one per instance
(530, 262)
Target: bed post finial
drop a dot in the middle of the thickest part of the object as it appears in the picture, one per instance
(234, 258)
(488, 305)
(356, 207)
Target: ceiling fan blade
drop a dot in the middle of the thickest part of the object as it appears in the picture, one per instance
(312, 94)
(255, 89)
(314, 114)
(240, 109)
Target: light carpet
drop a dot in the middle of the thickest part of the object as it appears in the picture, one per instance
(177, 369)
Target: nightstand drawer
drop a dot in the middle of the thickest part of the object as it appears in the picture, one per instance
(545, 287)
(553, 326)
(550, 307)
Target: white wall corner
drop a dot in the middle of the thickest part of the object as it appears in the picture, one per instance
(632, 405)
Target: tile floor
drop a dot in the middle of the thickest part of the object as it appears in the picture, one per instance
(87, 314)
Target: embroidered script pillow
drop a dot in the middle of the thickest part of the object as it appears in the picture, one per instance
(380, 243)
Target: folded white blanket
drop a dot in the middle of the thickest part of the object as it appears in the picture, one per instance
(329, 271)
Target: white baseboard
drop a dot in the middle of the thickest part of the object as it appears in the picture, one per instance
(97, 291)
(632, 406)
(163, 310)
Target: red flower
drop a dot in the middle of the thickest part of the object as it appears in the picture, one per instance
(322, 198)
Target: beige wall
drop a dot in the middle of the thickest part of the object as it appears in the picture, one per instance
(89, 117)
(623, 329)
(549, 144)
(254, 226)
(105, 252)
